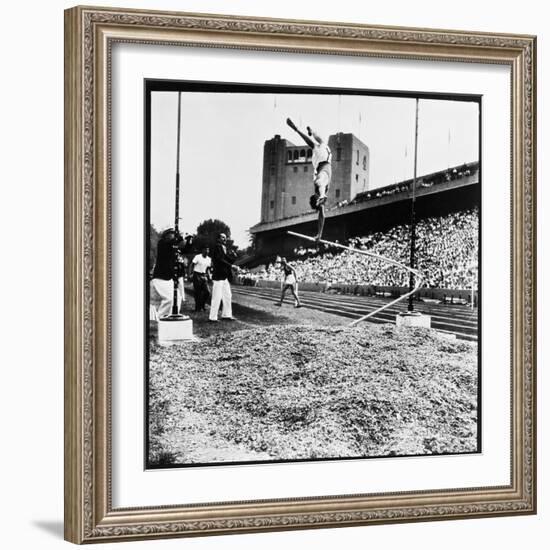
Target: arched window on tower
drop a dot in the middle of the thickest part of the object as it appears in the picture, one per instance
(309, 153)
(296, 153)
(289, 156)
(302, 154)
(365, 162)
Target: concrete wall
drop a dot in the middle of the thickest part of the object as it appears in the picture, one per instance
(298, 177)
(341, 148)
(313, 287)
(360, 167)
(442, 294)
(273, 179)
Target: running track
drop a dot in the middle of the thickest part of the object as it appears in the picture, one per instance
(454, 319)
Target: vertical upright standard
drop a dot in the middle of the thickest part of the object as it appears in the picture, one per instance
(175, 311)
(176, 327)
(413, 216)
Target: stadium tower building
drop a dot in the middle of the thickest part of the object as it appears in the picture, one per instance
(288, 175)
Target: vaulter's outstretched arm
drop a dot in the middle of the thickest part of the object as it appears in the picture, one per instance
(305, 137)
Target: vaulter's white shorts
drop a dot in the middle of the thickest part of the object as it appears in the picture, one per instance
(163, 291)
(322, 180)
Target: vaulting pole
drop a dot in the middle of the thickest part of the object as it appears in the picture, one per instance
(419, 276)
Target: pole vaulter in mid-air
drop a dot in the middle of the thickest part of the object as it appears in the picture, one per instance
(322, 172)
(322, 175)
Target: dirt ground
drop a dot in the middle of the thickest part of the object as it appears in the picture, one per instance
(260, 390)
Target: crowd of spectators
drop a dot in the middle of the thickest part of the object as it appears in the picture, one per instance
(426, 181)
(446, 253)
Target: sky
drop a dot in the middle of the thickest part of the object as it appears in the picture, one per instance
(223, 135)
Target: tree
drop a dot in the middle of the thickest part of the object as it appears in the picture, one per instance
(208, 231)
(250, 250)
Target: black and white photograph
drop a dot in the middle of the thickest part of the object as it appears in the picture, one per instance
(312, 274)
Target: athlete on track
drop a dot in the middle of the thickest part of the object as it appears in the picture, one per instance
(289, 283)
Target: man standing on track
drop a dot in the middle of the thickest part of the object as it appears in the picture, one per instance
(200, 271)
(169, 264)
(290, 282)
(322, 172)
(222, 274)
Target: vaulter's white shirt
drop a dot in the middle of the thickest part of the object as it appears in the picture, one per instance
(201, 264)
(320, 153)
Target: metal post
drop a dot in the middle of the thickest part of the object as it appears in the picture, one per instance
(410, 307)
(177, 213)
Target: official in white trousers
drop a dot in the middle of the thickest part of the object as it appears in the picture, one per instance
(221, 292)
(222, 274)
(168, 263)
(164, 290)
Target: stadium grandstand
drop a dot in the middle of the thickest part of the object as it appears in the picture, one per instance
(447, 251)
(438, 195)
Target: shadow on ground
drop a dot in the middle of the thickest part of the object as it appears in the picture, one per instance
(52, 527)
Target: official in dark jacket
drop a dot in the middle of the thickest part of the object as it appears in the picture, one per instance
(222, 275)
(169, 264)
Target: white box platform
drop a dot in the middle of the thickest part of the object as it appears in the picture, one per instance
(414, 319)
(174, 331)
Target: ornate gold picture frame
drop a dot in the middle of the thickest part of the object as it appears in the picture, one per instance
(90, 35)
